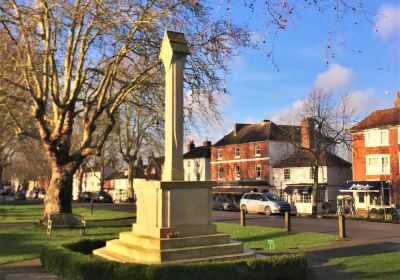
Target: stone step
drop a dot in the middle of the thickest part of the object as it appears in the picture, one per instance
(232, 247)
(146, 254)
(112, 256)
(181, 242)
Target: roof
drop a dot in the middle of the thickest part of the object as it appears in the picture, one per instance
(247, 133)
(303, 160)
(379, 118)
(198, 152)
(116, 175)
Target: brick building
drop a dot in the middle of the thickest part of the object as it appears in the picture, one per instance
(242, 160)
(376, 143)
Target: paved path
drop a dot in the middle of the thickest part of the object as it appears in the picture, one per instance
(25, 270)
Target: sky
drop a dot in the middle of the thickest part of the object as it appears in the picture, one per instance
(365, 64)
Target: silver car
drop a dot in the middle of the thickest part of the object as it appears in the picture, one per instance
(267, 203)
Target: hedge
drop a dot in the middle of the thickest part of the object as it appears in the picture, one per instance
(72, 261)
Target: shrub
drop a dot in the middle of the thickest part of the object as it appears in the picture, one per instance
(72, 261)
(373, 211)
(390, 210)
(380, 211)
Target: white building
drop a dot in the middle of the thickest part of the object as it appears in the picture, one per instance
(91, 180)
(197, 162)
(293, 178)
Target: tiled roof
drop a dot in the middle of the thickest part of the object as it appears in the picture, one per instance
(303, 160)
(379, 118)
(248, 133)
(198, 152)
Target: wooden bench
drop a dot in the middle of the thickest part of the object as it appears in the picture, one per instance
(66, 221)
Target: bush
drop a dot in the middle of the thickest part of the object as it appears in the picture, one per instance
(380, 211)
(72, 261)
(373, 211)
(390, 210)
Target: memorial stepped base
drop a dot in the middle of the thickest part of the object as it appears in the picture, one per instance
(131, 248)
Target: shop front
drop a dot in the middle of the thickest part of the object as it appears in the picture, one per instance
(368, 194)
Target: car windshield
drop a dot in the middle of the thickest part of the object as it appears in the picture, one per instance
(273, 197)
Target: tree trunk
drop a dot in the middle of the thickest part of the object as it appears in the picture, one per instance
(59, 193)
(131, 168)
(79, 178)
(1, 176)
(314, 193)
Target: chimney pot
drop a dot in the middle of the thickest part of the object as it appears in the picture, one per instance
(191, 145)
(397, 101)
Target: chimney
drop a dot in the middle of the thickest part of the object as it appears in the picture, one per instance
(237, 127)
(306, 125)
(397, 101)
(265, 121)
(207, 143)
(190, 145)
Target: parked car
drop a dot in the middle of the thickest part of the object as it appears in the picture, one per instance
(33, 194)
(85, 196)
(20, 196)
(267, 203)
(102, 196)
(222, 203)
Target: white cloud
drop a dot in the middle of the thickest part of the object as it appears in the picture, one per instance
(388, 21)
(336, 77)
(365, 101)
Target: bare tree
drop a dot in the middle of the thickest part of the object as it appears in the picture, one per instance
(325, 123)
(140, 126)
(73, 57)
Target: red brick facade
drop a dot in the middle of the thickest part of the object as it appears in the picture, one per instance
(247, 161)
(359, 160)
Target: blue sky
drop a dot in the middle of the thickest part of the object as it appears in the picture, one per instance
(366, 64)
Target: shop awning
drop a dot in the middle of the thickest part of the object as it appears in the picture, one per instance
(237, 191)
(365, 186)
(299, 188)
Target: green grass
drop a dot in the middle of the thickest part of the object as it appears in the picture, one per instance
(24, 242)
(382, 266)
(20, 213)
(255, 237)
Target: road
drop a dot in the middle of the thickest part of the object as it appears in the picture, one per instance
(369, 231)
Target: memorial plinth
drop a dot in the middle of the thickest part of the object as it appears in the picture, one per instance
(173, 217)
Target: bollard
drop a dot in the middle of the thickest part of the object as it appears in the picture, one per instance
(342, 226)
(242, 217)
(288, 225)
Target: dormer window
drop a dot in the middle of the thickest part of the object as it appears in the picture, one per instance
(237, 152)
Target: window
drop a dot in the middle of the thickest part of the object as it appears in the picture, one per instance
(197, 164)
(361, 197)
(219, 154)
(237, 172)
(377, 137)
(286, 173)
(303, 198)
(220, 172)
(378, 164)
(257, 150)
(198, 176)
(258, 171)
(188, 163)
(237, 152)
(320, 195)
(311, 174)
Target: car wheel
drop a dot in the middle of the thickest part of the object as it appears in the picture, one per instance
(267, 211)
(244, 208)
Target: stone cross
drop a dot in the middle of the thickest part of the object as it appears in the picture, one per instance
(173, 53)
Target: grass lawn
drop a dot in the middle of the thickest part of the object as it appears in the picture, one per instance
(255, 237)
(383, 266)
(20, 213)
(24, 242)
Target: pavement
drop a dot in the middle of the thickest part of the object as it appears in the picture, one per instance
(26, 270)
